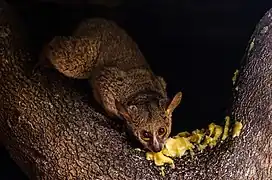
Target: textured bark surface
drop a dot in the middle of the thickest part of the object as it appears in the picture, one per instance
(52, 131)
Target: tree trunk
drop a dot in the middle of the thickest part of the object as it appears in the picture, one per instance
(51, 131)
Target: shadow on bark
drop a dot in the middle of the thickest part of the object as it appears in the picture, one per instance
(52, 133)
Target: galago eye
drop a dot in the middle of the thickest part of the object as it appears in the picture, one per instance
(162, 131)
(146, 136)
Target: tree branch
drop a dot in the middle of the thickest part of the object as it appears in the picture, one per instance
(52, 133)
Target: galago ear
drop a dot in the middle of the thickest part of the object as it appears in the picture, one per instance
(126, 112)
(173, 104)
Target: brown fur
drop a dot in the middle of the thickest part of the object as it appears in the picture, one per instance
(122, 81)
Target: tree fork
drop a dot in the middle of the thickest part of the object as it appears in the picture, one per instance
(51, 133)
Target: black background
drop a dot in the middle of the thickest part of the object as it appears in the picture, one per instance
(195, 45)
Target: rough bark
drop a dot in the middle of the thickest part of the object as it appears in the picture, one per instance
(52, 132)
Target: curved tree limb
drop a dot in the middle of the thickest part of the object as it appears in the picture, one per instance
(52, 133)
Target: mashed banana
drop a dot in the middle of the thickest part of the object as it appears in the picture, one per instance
(179, 145)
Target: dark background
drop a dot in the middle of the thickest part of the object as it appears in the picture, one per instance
(195, 45)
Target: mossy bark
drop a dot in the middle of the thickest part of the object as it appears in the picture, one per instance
(52, 133)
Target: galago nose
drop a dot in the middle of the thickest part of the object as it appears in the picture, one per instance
(156, 146)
